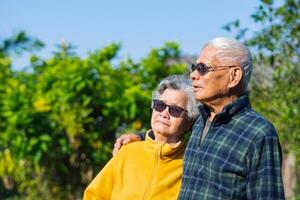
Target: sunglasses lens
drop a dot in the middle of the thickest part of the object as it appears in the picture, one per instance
(159, 106)
(175, 111)
(193, 67)
(201, 68)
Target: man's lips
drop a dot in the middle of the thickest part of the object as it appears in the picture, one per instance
(196, 87)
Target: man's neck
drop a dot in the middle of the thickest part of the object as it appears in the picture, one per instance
(216, 106)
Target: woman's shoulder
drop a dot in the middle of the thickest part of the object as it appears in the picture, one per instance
(133, 147)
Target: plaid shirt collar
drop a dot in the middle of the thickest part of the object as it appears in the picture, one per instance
(238, 106)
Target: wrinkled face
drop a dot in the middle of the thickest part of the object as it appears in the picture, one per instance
(214, 84)
(165, 124)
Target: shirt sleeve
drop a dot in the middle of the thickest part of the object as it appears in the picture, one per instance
(264, 178)
(102, 185)
(141, 135)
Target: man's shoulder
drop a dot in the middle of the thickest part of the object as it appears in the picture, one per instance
(256, 124)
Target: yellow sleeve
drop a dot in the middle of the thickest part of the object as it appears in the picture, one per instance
(102, 185)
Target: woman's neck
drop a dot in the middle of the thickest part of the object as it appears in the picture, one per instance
(172, 141)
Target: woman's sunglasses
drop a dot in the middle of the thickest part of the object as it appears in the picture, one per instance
(203, 69)
(175, 111)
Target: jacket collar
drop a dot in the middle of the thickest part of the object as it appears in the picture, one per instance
(163, 151)
(237, 106)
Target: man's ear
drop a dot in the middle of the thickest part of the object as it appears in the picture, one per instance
(235, 76)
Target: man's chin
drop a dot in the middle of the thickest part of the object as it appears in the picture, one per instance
(201, 98)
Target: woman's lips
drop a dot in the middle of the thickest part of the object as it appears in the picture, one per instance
(162, 122)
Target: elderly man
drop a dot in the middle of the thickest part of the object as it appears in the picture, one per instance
(233, 152)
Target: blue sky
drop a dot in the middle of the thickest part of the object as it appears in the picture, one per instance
(138, 25)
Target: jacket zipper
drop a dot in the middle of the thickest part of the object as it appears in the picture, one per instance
(148, 190)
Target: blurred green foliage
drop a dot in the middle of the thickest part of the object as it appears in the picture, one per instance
(59, 119)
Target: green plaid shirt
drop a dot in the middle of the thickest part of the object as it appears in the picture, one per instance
(240, 157)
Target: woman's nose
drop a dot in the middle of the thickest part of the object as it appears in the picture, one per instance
(165, 113)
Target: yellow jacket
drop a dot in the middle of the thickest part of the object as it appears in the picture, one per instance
(141, 170)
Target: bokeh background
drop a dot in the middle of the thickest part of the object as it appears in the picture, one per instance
(76, 74)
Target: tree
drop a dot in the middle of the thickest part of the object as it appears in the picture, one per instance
(19, 43)
(59, 120)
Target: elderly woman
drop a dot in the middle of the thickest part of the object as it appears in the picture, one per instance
(152, 169)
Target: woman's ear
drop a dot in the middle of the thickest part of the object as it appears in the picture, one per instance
(236, 75)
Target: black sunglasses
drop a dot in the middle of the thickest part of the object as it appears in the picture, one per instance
(203, 69)
(175, 111)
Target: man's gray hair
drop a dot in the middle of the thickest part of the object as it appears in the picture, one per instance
(182, 83)
(233, 50)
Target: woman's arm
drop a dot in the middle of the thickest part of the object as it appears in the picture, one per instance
(102, 185)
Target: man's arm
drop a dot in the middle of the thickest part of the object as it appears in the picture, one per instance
(126, 139)
(264, 180)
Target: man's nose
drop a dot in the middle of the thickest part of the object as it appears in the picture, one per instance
(194, 75)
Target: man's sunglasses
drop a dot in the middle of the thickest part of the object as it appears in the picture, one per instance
(203, 69)
(175, 111)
